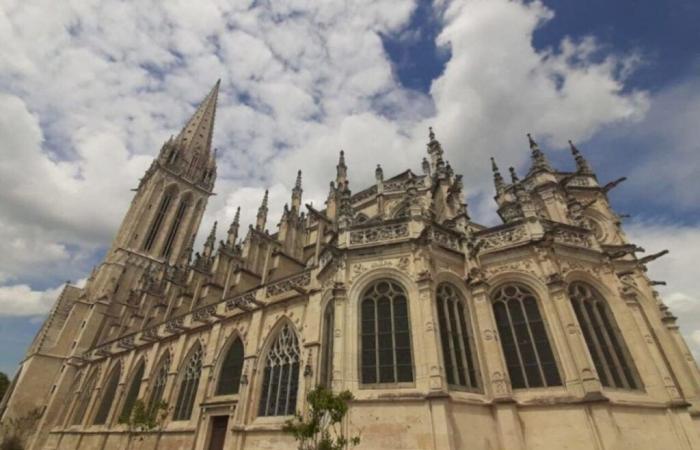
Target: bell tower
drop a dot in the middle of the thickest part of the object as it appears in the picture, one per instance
(169, 202)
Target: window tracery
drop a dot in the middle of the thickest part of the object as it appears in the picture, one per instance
(231, 368)
(528, 354)
(192, 370)
(456, 338)
(603, 337)
(385, 335)
(160, 380)
(132, 393)
(281, 375)
(327, 342)
(108, 394)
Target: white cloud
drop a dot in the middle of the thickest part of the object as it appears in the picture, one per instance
(91, 86)
(21, 300)
(682, 293)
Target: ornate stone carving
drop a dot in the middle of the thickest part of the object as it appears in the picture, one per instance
(245, 302)
(379, 233)
(293, 283)
(445, 239)
(503, 238)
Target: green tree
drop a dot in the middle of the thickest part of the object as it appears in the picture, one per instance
(4, 384)
(319, 428)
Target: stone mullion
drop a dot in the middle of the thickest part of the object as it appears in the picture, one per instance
(577, 361)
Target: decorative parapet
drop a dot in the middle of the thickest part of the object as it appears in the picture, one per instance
(150, 334)
(379, 233)
(502, 238)
(364, 195)
(174, 326)
(204, 314)
(127, 342)
(567, 236)
(445, 239)
(244, 302)
(296, 282)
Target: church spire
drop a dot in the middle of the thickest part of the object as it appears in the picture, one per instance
(581, 163)
(262, 214)
(211, 240)
(233, 229)
(497, 178)
(296, 193)
(196, 135)
(341, 170)
(434, 149)
(539, 161)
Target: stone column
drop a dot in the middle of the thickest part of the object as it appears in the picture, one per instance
(495, 382)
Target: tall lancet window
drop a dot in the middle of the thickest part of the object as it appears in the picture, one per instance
(456, 337)
(603, 337)
(524, 338)
(158, 219)
(231, 368)
(278, 396)
(108, 392)
(386, 338)
(189, 383)
(84, 398)
(326, 375)
(175, 227)
(160, 379)
(133, 393)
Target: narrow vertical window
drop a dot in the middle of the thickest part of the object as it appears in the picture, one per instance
(524, 340)
(327, 343)
(84, 399)
(281, 375)
(108, 392)
(231, 368)
(133, 393)
(385, 336)
(189, 383)
(603, 337)
(456, 338)
(158, 220)
(160, 380)
(179, 215)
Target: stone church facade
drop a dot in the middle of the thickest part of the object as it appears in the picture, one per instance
(544, 332)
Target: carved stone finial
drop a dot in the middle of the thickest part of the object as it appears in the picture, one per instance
(539, 161)
(379, 173)
(262, 213)
(431, 134)
(497, 178)
(513, 176)
(581, 163)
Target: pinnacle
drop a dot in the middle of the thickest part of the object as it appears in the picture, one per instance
(197, 134)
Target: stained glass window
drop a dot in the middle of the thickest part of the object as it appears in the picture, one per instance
(189, 383)
(231, 368)
(281, 375)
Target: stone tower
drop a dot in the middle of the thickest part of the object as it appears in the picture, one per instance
(542, 332)
(156, 234)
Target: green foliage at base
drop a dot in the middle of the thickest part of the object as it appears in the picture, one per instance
(319, 428)
(141, 418)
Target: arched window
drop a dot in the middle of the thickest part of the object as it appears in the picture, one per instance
(179, 216)
(159, 218)
(386, 338)
(191, 372)
(84, 397)
(326, 374)
(108, 392)
(231, 368)
(281, 378)
(524, 339)
(456, 338)
(133, 393)
(603, 337)
(160, 380)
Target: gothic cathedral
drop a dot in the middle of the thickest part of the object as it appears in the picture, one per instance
(544, 332)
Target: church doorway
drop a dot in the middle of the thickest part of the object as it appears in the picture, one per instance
(219, 424)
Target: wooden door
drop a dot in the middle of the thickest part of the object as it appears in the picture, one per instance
(219, 424)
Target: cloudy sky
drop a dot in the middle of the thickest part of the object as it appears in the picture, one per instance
(90, 89)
